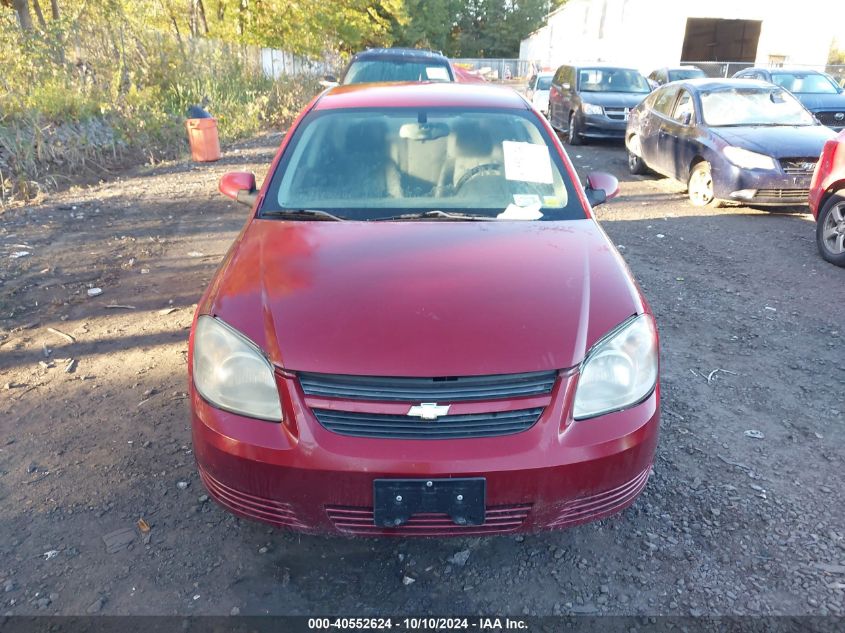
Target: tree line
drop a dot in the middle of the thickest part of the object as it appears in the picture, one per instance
(459, 28)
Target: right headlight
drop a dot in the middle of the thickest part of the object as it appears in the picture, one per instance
(591, 108)
(619, 371)
(232, 374)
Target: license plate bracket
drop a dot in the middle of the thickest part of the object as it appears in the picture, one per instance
(397, 500)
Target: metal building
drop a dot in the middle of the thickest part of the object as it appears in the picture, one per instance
(649, 34)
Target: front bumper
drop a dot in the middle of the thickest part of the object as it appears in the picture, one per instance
(601, 126)
(761, 186)
(300, 476)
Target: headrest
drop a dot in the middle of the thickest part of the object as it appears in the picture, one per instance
(470, 139)
(367, 136)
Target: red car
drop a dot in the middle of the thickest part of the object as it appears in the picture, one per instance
(465, 76)
(827, 200)
(421, 329)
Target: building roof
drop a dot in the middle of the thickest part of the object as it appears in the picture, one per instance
(420, 94)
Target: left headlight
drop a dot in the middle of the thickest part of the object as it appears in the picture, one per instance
(748, 159)
(591, 108)
(619, 371)
(232, 373)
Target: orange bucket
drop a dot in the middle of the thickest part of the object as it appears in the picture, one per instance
(202, 136)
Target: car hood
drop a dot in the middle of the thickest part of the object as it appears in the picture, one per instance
(614, 99)
(424, 298)
(780, 141)
(815, 102)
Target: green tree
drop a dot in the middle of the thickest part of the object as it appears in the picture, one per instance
(473, 28)
(430, 24)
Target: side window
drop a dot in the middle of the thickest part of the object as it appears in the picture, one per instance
(664, 100)
(569, 76)
(684, 110)
(663, 77)
(558, 78)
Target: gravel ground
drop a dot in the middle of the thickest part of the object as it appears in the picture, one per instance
(731, 522)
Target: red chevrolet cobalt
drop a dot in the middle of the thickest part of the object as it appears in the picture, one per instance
(421, 330)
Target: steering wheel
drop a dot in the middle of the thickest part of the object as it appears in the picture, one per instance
(485, 169)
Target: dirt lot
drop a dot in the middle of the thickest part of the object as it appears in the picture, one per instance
(729, 524)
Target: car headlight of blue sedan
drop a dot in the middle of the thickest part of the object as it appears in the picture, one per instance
(748, 159)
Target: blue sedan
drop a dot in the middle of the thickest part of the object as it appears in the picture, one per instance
(728, 139)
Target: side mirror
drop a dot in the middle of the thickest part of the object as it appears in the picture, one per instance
(239, 186)
(686, 119)
(601, 187)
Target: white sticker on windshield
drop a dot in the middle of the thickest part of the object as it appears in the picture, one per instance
(527, 162)
(526, 200)
(514, 212)
(438, 73)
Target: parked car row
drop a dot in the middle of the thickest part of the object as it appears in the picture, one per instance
(754, 139)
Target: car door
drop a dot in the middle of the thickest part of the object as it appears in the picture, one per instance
(677, 137)
(662, 104)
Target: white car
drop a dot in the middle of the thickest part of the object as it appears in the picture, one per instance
(538, 91)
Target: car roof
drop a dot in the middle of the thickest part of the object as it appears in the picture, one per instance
(602, 65)
(420, 94)
(704, 83)
(405, 53)
(785, 69)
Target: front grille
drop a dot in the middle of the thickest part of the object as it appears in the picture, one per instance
(428, 389)
(799, 166)
(359, 521)
(617, 114)
(830, 118)
(410, 428)
(789, 195)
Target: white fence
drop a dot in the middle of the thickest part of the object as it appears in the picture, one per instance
(276, 63)
(498, 69)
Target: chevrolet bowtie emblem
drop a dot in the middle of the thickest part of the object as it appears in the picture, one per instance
(428, 410)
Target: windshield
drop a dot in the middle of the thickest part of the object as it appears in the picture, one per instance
(544, 83)
(685, 73)
(753, 106)
(805, 83)
(381, 70)
(367, 164)
(611, 80)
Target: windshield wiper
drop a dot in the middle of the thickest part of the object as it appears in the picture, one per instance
(435, 214)
(301, 214)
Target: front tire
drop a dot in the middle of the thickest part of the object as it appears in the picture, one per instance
(574, 134)
(636, 165)
(830, 230)
(700, 186)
